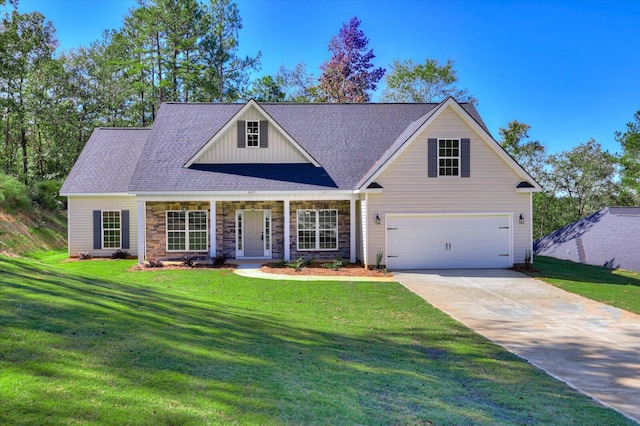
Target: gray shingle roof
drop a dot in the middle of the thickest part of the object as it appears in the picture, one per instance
(107, 162)
(609, 237)
(346, 139)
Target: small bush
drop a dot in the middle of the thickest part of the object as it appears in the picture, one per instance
(379, 257)
(281, 263)
(120, 254)
(335, 265)
(297, 264)
(154, 263)
(188, 261)
(84, 256)
(309, 262)
(219, 260)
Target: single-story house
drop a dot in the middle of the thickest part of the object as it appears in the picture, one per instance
(609, 237)
(424, 185)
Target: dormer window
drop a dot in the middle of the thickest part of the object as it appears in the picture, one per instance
(448, 157)
(253, 134)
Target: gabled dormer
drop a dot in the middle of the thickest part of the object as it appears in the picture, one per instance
(251, 136)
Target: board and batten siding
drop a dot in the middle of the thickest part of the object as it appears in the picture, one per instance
(489, 189)
(80, 219)
(226, 151)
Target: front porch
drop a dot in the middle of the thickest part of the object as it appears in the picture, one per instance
(257, 230)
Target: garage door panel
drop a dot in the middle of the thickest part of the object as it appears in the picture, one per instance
(453, 241)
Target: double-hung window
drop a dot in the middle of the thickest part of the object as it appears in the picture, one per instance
(187, 230)
(317, 229)
(448, 157)
(111, 229)
(253, 134)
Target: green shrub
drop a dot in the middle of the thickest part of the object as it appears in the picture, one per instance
(296, 264)
(120, 254)
(335, 265)
(13, 193)
(44, 193)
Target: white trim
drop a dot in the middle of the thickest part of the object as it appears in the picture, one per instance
(97, 194)
(247, 195)
(287, 230)
(266, 215)
(102, 229)
(364, 224)
(212, 229)
(232, 122)
(246, 134)
(142, 242)
(462, 113)
(525, 190)
(458, 157)
(186, 230)
(352, 231)
(317, 230)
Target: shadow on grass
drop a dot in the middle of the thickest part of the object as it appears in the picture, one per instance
(549, 267)
(79, 349)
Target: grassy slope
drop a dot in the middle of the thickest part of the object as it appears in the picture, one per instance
(25, 232)
(89, 343)
(617, 288)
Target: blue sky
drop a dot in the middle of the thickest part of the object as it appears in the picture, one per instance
(570, 69)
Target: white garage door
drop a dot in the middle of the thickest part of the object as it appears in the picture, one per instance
(448, 241)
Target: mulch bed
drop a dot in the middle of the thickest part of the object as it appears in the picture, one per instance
(350, 270)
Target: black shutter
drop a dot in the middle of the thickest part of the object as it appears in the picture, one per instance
(432, 164)
(124, 223)
(264, 134)
(97, 229)
(465, 158)
(242, 139)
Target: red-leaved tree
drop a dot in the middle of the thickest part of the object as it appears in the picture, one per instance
(348, 75)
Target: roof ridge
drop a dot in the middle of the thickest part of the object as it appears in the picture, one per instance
(123, 128)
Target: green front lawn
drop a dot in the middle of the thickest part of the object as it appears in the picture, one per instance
(617, 288)
(90, 343)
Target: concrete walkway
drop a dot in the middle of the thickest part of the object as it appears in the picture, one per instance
(593, 347)
(253, 271)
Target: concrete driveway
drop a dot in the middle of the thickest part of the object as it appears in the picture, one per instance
(593, 347)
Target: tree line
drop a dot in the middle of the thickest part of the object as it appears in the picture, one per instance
(187, 51)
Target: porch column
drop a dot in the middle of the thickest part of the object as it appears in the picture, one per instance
(352, 230)
(287, 231)
(142, 244)
(212, 228)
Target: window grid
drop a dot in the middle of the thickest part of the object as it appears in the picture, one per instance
(449, 157)
(187, 230)
(317, 229)
(253, 134)
(111, 229)
(240, 216)
(267, 231)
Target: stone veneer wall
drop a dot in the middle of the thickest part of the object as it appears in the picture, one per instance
(157, 227)
(226, 225)
(156, 231)
(344, 221)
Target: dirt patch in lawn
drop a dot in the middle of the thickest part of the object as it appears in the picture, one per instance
(350, 270)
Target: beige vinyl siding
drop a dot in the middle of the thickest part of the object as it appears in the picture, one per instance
(226, 151)
(490, 189)
(80, 218)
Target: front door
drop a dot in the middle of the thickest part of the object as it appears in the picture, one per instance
(254, 233)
